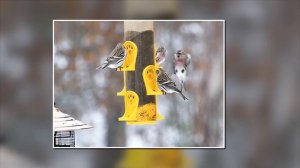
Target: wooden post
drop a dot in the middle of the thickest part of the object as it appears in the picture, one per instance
(141, 33)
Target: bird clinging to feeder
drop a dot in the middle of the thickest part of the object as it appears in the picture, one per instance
(180, 65)
(166, 84)
(182, 56)
(160, 55)
(116, 58)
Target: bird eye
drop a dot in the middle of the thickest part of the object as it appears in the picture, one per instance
(182, 71)
(176, 71)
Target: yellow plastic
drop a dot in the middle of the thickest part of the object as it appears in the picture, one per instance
(159, 117)
(150, 80)
(131, 51)
(146, 114)
(131, 106)
(165, 158)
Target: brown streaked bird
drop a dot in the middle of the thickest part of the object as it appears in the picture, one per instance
(160, 55)
(166, 84)
(116, 58)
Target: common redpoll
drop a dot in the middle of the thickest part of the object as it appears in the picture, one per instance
(160, 55)
(116, 57)
(180, 65)
(166, 84)
(183, 57)
(180, 72)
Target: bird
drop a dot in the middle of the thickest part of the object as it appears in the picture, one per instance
(160, 55)
(166, 84)
(116, 57)
(182, 56)
(180, 71)
(180, 64)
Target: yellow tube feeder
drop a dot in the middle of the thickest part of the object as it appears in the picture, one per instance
(140, 98)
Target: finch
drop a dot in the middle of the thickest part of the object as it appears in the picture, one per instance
(180, 65)
(160, 55)
(116, 58)
(166, 84)
(183, 57)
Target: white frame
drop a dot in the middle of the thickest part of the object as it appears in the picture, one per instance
(224, 88)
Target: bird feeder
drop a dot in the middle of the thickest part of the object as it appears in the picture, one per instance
(150, 79)
(64, 127)
(129, 63)
(140, 79)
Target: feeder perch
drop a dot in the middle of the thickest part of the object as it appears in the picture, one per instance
(146, 114)
(150, 80)
(131, 106)
(131, 52)
(129, 63)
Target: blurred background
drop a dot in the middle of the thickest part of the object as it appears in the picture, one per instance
(90, 95)
(262, 85)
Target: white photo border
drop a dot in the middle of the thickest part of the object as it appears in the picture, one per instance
(224, 86)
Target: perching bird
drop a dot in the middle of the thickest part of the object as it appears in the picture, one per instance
(180, 71)
(160, 55)
(182, 56)
(116, 57)
(166, 84)
(180, 65)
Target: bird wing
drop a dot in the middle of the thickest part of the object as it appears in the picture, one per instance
(176, 81)
(118, 53)
(164, 79)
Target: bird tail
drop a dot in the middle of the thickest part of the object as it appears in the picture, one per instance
(183, 96)
(104, 65)
(182, 86)
(183, 89)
